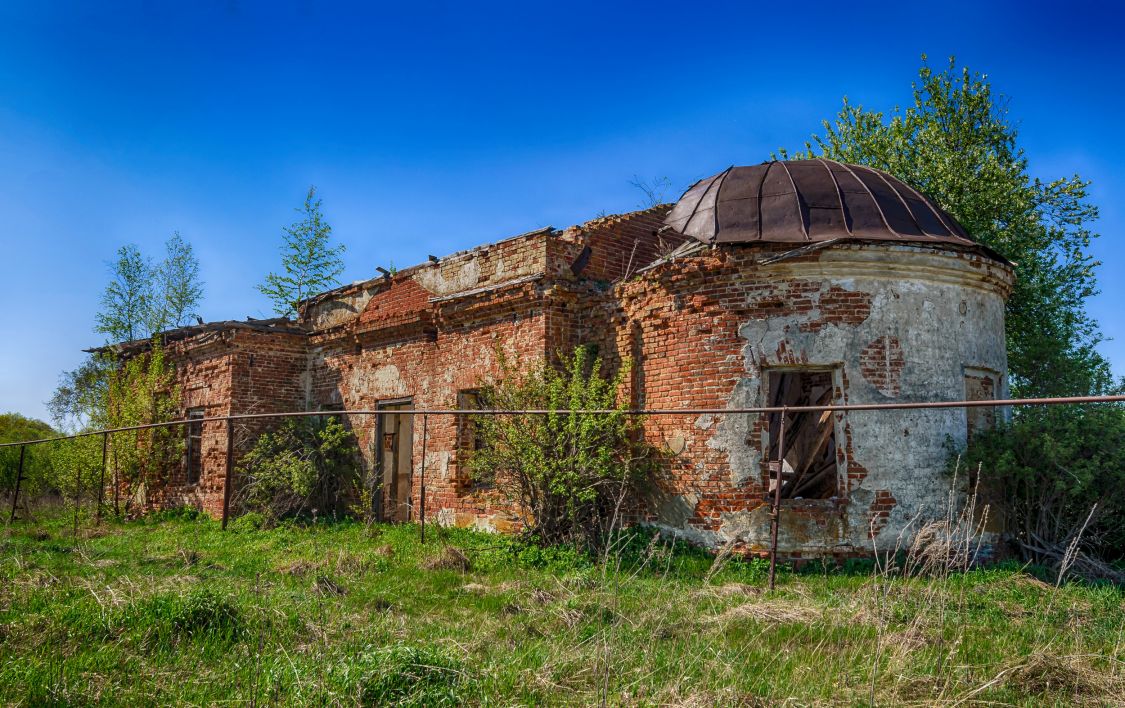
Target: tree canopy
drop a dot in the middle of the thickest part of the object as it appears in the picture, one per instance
(309, 264)
(956, 143)
(144, 297)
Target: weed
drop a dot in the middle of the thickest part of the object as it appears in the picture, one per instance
(409, 676)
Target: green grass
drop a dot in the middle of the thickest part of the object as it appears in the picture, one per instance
(176, 611)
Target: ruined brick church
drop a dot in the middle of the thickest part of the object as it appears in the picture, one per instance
(789, 282)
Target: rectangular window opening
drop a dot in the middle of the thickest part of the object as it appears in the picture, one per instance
(195, 445)
(980, 385)
(469, 438)
(809, 467)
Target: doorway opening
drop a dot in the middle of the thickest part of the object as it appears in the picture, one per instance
(394, 441)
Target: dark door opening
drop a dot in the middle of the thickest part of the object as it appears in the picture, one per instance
(395, 444)
(808, 462)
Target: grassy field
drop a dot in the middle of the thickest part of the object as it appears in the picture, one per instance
(176, 611)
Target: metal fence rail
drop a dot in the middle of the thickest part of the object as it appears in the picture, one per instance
(230, 420)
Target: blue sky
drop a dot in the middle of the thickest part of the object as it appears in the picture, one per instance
(430, 127)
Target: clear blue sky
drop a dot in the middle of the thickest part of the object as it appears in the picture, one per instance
(431, 127)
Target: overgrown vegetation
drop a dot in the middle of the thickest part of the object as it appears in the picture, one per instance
(171, 610)
(305, 466)
(142, 298)
(140, 391)
(1060, 472)
(568, 474)
(955, 142)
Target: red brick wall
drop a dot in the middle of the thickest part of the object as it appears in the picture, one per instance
(434, 330)
(622, 244)
(232, 372)
(431, 369)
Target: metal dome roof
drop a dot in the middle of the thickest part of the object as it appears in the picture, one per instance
(800, 201)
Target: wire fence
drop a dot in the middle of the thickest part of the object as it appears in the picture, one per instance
(85, 491)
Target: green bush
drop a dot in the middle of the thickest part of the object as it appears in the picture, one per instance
(250, 521)
(1048, 468)
(307, 465)
(568, 474)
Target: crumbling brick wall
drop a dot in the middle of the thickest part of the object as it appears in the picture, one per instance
(887, 322)
(890, 322)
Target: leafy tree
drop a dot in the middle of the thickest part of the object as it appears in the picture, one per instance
(15, 427)
(36, 467)
(567, 473)
(956, 144)
(81, 395)
(142, 299)
(178, 289)
(310, 265)
(1053, 465)
(128, 298)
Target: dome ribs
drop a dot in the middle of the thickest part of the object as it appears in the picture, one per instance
(780, 221)
(718, 197)
(761, 181)
(953, 229)
(700, 209)
(909, 211)
(805, 201)
(845, 215)
(801, 211)
(871, 196)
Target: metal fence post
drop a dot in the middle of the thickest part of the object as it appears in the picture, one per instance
(775, 514)
(19, 478)
(230, 472)
(422, 504)
(101, 479)
(77, 497)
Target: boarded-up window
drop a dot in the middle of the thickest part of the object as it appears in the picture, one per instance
(195, 445)
(808, 460)
(979, 386)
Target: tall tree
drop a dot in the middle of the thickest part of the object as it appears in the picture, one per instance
(309, 263)
(956, 144)
(142, 299)
(178, 289)
(128, 298)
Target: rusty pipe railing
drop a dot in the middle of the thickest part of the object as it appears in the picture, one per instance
(426, 412)
(841, 407)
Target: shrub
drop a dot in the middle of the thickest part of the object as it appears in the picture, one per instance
(250, 521)
(306, 464)
(567, 473)
(1049, 467)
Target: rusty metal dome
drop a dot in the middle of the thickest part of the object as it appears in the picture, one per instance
(801, 201)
